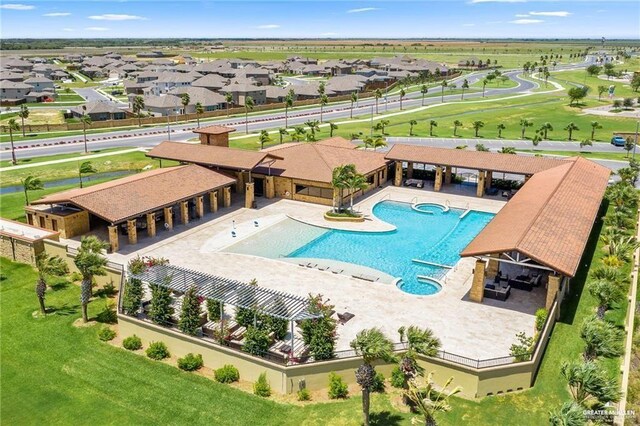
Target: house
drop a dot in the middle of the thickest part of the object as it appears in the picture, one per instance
(241, 91)
(99, 111)
(17, 64)
(276, 93)
(209, 100)
(40, 84)
(169, 80)
(14, 91)
(213, 82)
(11, 76)
(163, 105)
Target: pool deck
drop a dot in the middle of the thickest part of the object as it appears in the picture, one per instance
(477, 331)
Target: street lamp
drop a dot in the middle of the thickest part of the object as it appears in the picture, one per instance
(168, 125)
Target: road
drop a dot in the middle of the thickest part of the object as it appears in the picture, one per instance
(91, 95)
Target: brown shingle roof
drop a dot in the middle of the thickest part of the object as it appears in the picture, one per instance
(209, 155)
(550, 218)
(214, 130)
(478, 160)
(132, 196)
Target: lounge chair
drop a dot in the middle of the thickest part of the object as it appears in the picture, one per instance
(311, 265)
(337, 270)
(344, 318)
(491, 291)
(323, 268)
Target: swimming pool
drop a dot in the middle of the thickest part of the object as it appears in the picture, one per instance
(429, 234)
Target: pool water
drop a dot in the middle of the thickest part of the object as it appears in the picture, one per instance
(430, 235)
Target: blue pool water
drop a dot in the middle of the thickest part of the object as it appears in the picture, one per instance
(431, 235)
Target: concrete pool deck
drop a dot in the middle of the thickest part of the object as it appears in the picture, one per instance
(477, 331)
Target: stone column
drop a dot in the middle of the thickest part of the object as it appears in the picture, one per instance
(447, 174)
(132, 231)
(409, 170)
(227, 196)
(200, 206)
(397, 181)
(240, 181)
(113, 238)
(249, 195)
(213, 201)
(553, 286)
(151, 224)
(476, 293)
(437, 185)
(488, 179)
(493, 267)
(168, 218)
(184, 212)
(270, 190)
(480, 189)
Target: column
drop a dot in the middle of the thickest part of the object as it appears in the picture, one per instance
(151, 224)
(487, 180)
(437, 185)
(409, 170)
(132, 232)
(397, 181)
(552, 289)
(480, 189)
(168, 218)
(476, 293)
(249, 195)
(270, 190)
(213, 201)
(184, 212)
(240, 182)
(113, 238)
(447, 174)
(227, 196)
(493, 267)
(200, 206)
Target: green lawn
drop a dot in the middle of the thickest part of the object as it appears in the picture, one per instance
(7, 163)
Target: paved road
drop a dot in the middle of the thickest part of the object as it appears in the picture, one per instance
(90, 94)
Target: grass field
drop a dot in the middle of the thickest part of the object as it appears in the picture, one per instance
(38, 116)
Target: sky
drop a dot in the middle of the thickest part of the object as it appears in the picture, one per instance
(320, 19)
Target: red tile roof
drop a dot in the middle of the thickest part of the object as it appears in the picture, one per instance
(214, 130)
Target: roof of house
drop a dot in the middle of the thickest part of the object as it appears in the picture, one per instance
(550, 218)
(24, 232)
(211, 80)
(214, 130)
(477, 160)
(96, 107)
(209, 155)
(199, 95)
(132, 196)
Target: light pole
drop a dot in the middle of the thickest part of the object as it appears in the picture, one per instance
(636, 141)
(371, 124)
(168, 126)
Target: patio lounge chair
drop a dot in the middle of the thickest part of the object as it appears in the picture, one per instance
(311, 265)
(523, 282)
(323, 268)
(337, 270)
(344, 318)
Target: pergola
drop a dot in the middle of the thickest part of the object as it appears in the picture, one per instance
(231, 292)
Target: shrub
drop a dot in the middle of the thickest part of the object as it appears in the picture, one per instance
(190, 362)
(256, 341)
(190, 317)
(160, 311)
(261, 387)
(319, 333)
(157, 351)
(75, 276)
(601, 338)
(132, 296)
(397, 377)
(378, 383)
(541, 318)
(226, 374)
(105, 334)
(337, 387)
(132, 343)
(304, 395)
(521, 351)
(108, 315)
(213, 309)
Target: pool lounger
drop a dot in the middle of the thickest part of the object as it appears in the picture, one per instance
(323, 268)
(343, 318)
(311, 265)
(337, 270)
(365, 277)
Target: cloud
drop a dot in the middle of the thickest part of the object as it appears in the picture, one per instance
(96, 29)
(526, 21)
(468, 25)
(268, 26)
(522, 15)
(562, 14)
(17, 6)
(363, 9)
(496, 1)
(115, 17)
(54, 14)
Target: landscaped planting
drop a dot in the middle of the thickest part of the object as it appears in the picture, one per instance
(132, 343)
(227, 374)
(190, 362)
(157, 351)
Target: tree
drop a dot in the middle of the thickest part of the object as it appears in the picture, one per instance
(442, 86)
(589, 381)
(85, 169)
(635, 82)
(601, 91)
(402, 95)
(298, 133)
(377, 95)
(264, 138)
(381, 125)
(282, 133)
(419, 341)
(48, 266)
(594, 126)
(507, 150)
(524, 123)
(332, 127)
(411, 124)
(189, 322)
(288, 103)
(90, 262)
(477, 125)
(570, 414)
(480, 147)
(160, 309)
(570, 128)
(585, 142)
(23, 113)
(228, 98)
(371, 345)
(199, 112)
(13, 126)
(424, 90)
(30, 183)
(500, 128)
(629, 144)
(339, 179)
(314, 126)
(184, 100)
(432, 124)
(593, 70)
(248, 106)
(354, 99)
(537, 138)
(606, 293)
(324, 100)
(456, 124)
(355, 182)
(465, 85)
(429, 401)
(546, 128)
(601, 338)
(484, 85)
(378, 143)
(85, 120)
(576, 94)
(137, 107)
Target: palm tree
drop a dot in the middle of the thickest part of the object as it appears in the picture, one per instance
(85, 169)
(264, 138)
(23, 113)
(429, 401)
(90, 262)
(85, 120)
(324, 100)
(500, 128)
(545, 128)
(442, 86)
(371, 345)
(589, 381)
(356, 182)
(382, 124)
(594, 126)
(424, 90)
(484, 86)
(524, 123)
(30, 183)
(228, 98)
(570, 414)
(13, 126)
(282, 132)
(507, 150)
(537, 138)
(354, 99)
(456, 124)
(601, 91)
(332, 127)
(465, 85)
(199, 112)
(477, 125)
(411, 124)
(419, 341)
(48, 265)
(314, 126)
(339, 178)
(288, 103)
(248, 105)
(378, 95)
(137, 107)
(432, 124)
(402, 95)
(570, 128)
(378, 143)
(298, 133)
(606, 293)
(184, 100)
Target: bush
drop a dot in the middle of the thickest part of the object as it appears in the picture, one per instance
(160, 310)
(521, 351)
(226, 374)
(337, 387)
(256, 341)
(378, 383)
(190, 362)
(261, 387)
(397, 378)
(541, 318)
(132, 296)
(189, 322)
(157, 351)
(132, 343)
(108, 315)
(105, 334)
(304, 395)
(75, 276)
(213, 309)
